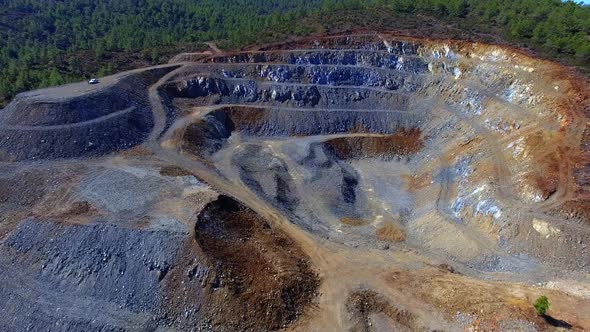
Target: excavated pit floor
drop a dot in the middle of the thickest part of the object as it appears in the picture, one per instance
(362, 183)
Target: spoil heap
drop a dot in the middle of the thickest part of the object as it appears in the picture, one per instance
(349, 182)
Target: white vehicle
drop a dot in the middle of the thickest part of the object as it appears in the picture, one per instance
(93, 81)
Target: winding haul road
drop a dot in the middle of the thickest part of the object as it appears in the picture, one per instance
(341, 268)
(454, 263)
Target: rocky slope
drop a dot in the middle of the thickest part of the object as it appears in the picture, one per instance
(362, 182)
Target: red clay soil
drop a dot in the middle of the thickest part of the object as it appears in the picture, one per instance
(547, 179)
(401, 143)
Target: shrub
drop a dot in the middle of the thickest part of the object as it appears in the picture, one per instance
(541, 305)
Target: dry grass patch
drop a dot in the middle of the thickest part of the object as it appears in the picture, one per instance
(174, 171)
(390, 232)
(352, 221)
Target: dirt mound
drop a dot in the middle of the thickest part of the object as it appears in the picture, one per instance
(401, 143)
(268, 278)
(352, 221)
(390, 232)
(362, 304)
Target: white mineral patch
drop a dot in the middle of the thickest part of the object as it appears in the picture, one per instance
(520, 93)
(400, 63)
(518, 147)
(543, 228)
(457, 73)
(572, 287)
(390, 48)
(487, 207)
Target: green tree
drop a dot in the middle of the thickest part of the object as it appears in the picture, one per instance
(460, 8)
(105, 70)
(55, 78)
(541, 305)
(75, 35)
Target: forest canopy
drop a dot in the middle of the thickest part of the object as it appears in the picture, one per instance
(51, 42)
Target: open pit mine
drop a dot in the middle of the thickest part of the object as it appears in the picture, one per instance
(343, 183)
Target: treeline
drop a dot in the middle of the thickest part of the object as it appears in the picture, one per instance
(50, 42)
(41, 40)
(553, 25)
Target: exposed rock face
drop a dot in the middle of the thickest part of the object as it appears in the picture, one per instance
(333, 179)
(83, 275)
(472, 107)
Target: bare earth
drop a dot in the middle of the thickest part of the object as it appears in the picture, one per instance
(361, 182)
